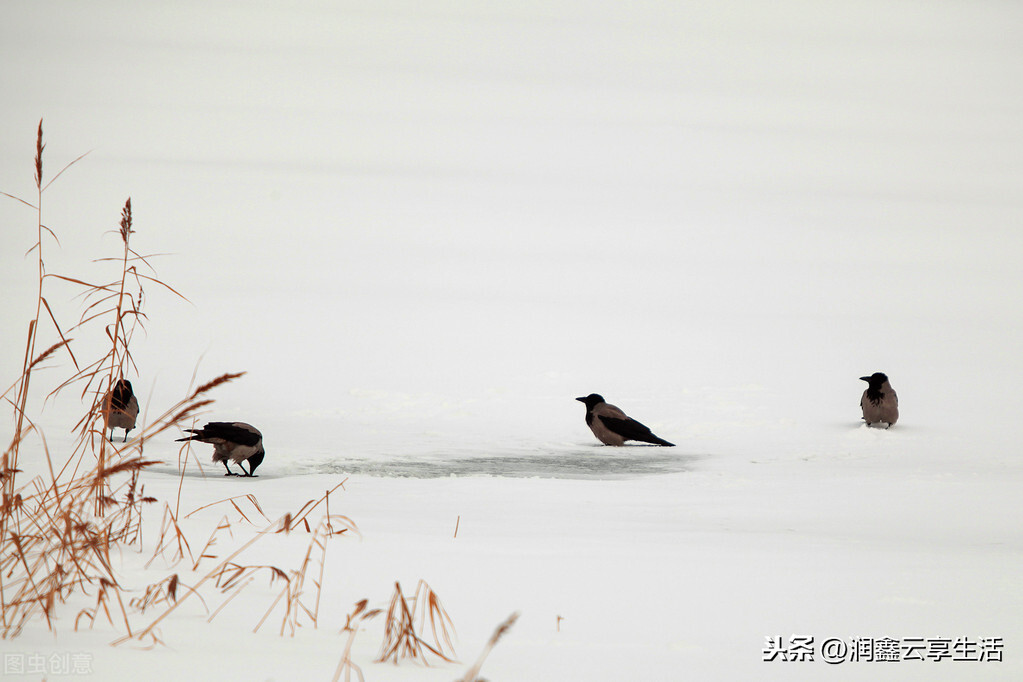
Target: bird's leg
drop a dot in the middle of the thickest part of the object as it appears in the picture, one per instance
(229, 472)
(125, 436)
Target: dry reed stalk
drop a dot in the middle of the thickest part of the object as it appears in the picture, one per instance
(230, 598)
(181, 475)
(9, 464)
(239, 577)
(10, 456)
(170, 524)
(165, 591)
(59, 550)
(472, 675)
(111, 300)
(250, 498)
(294, 590)
(291, 520)
(57, 535)
(214, 574)
(428, 607)
(320, 540)
(232, 574)
(101, 602)
(401, 641)
(346, 666)
(224, 524)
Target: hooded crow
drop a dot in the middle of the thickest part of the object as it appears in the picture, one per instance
(123, 408)
(879, 402)
(611, 426)
(234, 441)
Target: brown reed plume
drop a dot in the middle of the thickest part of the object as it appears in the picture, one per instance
(472, 674)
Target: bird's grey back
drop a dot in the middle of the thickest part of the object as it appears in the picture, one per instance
(609, 410)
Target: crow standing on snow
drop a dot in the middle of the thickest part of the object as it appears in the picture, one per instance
(879, 402)
(611, 426)
(123, 408)
(235, 441)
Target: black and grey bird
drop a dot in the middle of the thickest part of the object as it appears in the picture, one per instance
(611, 426)
(123, 408)
(879, 403)
(235, 441)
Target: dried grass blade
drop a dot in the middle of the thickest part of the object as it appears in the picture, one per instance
(19, 199)
(61, 171)
(60, 333)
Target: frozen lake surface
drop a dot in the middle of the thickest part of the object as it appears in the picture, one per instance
(590, 464)
(422, 230)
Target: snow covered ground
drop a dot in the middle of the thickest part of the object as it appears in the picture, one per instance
(423, 230)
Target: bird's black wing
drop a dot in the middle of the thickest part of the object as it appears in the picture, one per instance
(229, 432)
(630, 429)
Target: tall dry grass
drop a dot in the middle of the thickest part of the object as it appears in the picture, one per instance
(61, 534)
(58, 531)
(404, 640)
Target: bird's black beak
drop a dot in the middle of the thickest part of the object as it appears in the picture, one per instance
(867, 379)
(582, 400)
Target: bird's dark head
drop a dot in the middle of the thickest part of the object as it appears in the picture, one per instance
(876, 380)
(592, 400)
(255, 461)
(121, 394)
